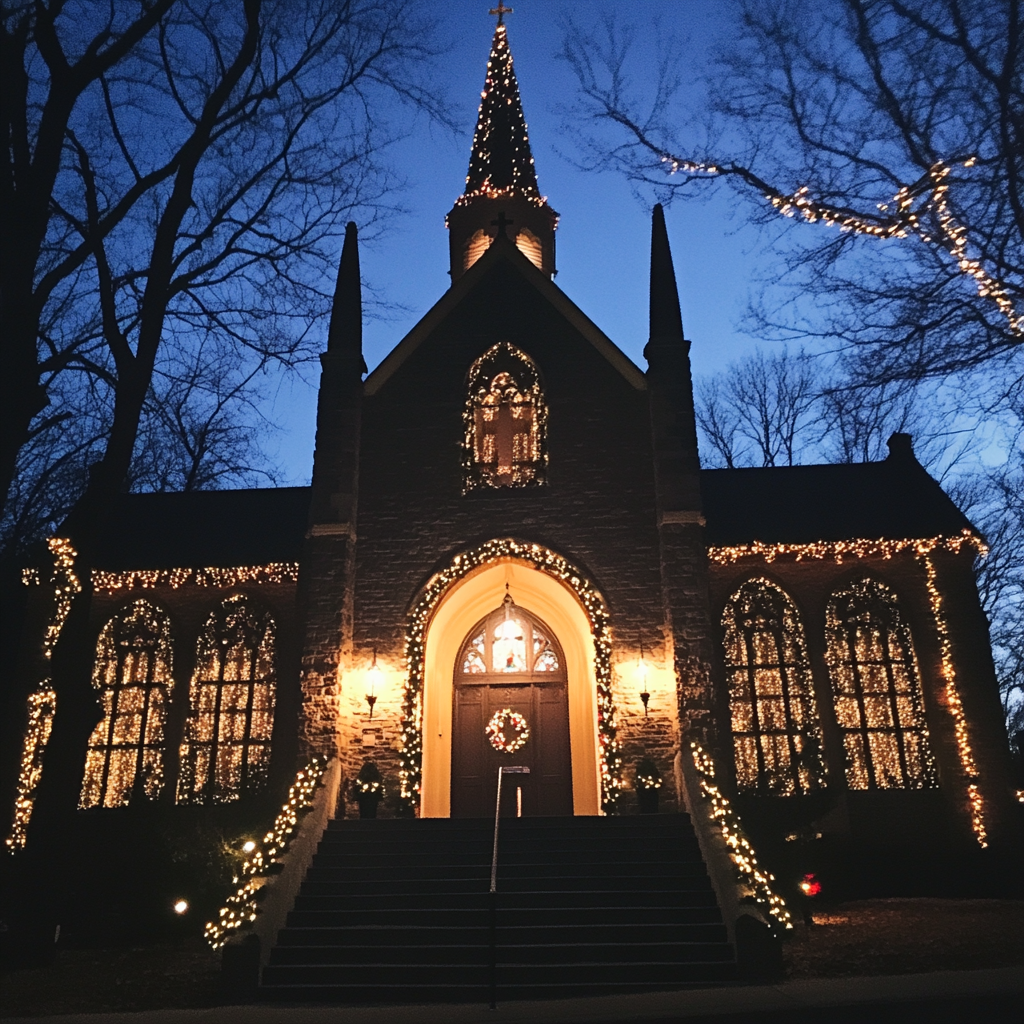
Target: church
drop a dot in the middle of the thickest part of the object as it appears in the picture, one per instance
(510, 556)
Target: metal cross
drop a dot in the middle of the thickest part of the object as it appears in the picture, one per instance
(501, 10)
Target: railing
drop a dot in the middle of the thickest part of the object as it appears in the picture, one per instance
(493, 894)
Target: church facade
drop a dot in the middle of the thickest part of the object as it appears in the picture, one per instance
(510, 554)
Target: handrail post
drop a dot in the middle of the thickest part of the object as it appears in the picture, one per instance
(492, 895)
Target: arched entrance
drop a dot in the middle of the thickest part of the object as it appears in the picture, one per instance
(510, 707)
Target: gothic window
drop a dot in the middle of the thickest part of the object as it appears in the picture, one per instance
(133, 674)
(776, 736)
(226, 749)
(505, 421)
(877, 690)
(510, 641)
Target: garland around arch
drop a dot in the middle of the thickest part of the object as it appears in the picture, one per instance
(546, 561)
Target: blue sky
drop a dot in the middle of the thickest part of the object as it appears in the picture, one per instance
(604, 232)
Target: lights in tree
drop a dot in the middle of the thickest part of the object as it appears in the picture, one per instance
(242, 907)
(226, 749)
(148, 579)
(876, 690)
(41, 707)
(546, 561)
(181, 906)
(740, 849)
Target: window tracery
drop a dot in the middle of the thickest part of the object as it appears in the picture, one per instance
(776, 734)
(133, 674)
(877, 691)
(505, 421)
(510, 641)
(226, 749)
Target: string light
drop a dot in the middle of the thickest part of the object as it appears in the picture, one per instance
(740, 848)
(42, 702)
(546, 561)
(897, 219)
(148, 579)
(242, 907)
(504, 719)
(923, 551)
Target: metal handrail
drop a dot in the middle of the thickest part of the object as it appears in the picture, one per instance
(493, 895)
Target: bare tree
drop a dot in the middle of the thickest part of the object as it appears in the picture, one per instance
(895, 126)
(175, 168)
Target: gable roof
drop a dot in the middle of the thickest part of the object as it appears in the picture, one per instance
(893, 499)
(502, 249)
(198, 529)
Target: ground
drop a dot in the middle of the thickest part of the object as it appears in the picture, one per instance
(873, 937)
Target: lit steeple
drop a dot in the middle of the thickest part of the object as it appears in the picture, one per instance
(502, 179)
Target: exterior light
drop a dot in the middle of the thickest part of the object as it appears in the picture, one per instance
(181, 907)
(375, 676)
(642, 670)
(248, 847)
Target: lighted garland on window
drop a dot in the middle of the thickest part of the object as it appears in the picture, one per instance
(242, 907)
(740, 849)
(148, 579)
(546, 561)
(42, 702)
(922, 550)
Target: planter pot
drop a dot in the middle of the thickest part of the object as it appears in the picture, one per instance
(648, 800)
(368, 806)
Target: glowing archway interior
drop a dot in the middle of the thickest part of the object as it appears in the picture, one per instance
(451, 604)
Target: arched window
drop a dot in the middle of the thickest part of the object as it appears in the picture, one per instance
(776, 735)
(133, 674)
(231, 705)
(530, 246)
(505, 420)
(479, 242)
(877, 691)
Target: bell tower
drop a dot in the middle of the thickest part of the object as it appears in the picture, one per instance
(501, 195)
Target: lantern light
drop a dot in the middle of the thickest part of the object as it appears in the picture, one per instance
(642, 671)
(375, 676)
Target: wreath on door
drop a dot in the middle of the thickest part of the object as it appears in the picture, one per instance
(507, 730)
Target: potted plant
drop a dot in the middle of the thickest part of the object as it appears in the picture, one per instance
(369, 789)
(648, 782)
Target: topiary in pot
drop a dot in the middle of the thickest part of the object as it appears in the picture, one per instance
(648, 783)
(369, 789)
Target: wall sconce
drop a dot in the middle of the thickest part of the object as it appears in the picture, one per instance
(642, 671)
(375, 676)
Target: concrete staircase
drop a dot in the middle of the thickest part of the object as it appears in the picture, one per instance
(398, 911)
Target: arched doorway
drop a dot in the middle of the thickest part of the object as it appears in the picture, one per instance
(511, 707)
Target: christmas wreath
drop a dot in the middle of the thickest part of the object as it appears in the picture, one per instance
(507, 730)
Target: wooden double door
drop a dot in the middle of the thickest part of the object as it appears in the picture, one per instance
(511, 708)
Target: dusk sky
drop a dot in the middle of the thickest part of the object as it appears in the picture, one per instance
(604, 232)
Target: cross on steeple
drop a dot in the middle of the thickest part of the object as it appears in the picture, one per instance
(501, 223)
(501, 10)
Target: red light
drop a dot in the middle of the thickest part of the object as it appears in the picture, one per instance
(810, 886)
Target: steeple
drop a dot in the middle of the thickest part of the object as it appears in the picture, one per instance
(502, 180)
(345, 334)
(666, 318)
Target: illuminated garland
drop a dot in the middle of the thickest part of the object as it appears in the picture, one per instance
(241, 907)
(148, 579)
(546, 561)
(839, 549)
(42, 704)
(922, 550)
(740, 850)
(41, 707)
(931, 188)
(955, 705)
(504, 719)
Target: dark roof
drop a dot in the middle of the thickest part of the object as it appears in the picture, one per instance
(204, 528)
(895, 499)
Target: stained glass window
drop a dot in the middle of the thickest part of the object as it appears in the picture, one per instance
(231, 705)
(776, 734)
(877, 690)
(505, 421)
(510, 641)
(133, 674)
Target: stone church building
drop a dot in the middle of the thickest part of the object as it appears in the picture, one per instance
(510, 554)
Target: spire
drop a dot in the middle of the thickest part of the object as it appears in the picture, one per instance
(666, 319)
(501, 162)
(501, 186)
(345, 334)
